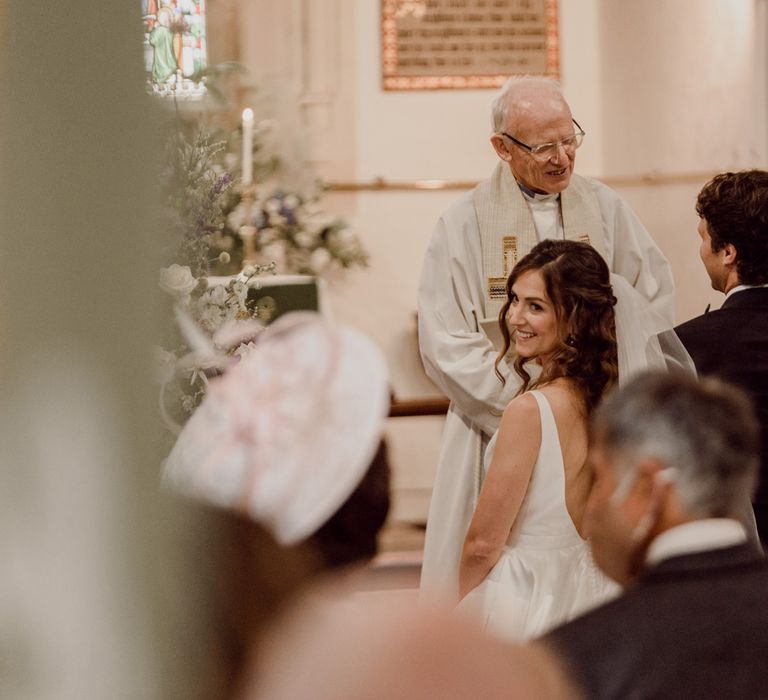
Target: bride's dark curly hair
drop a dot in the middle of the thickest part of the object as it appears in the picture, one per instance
(578, 284)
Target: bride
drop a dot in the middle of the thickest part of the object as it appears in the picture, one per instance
(525, 566)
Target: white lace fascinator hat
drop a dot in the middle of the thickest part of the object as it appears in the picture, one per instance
(287, 434)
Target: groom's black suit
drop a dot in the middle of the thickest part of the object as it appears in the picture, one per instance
(694, 626)
(732, 344)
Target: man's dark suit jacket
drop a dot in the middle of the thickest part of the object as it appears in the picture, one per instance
(695, 626)
(732, 343)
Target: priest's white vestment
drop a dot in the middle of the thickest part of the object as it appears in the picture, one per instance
(459, 357)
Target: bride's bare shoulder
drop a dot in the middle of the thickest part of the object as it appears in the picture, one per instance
(522, 411)
(564, 397)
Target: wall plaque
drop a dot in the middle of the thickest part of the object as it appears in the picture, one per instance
(439, 44)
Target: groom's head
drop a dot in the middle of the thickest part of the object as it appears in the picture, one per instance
(733, 226)
(666, 449)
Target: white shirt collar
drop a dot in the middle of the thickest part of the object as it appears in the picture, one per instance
(696, 536)
(532, 196)
(741, 287)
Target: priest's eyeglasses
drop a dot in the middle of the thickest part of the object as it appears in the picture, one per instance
(545, 151)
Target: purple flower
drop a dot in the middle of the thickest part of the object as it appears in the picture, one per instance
(221, 183)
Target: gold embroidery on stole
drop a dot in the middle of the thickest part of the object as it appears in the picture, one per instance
(497, 286)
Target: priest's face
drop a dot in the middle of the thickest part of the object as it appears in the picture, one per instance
(538, 117)
(531, 317)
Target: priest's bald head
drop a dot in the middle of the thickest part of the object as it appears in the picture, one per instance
(535, 133)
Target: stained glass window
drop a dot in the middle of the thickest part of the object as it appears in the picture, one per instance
(174, 46)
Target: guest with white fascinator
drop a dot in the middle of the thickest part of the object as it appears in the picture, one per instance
(286, 455)
(291, 436)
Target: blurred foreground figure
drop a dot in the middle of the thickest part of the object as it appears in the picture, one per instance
(675, 462)
(288, 443)
(290, 437)
(418, 653)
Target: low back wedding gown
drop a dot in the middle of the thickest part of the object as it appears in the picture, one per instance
(545, 575)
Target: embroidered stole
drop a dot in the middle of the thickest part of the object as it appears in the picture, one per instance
(507, 231)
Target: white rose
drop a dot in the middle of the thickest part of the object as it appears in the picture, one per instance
(178, 281)
(218, 295)
(210, 317)
(319, 259)
(345, 236)
(303, 239)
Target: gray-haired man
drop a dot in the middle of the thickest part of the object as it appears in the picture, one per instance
(675, 461)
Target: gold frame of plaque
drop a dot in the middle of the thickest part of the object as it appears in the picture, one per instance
(460, 44)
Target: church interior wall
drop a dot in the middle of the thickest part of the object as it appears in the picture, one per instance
(684, 90)
(668, 92)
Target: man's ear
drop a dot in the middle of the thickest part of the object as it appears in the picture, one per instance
(651, 494)
(653, 476)
(497, 141)
(649, 471)
(729, 254)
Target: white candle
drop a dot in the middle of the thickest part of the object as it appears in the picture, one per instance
(247, 146)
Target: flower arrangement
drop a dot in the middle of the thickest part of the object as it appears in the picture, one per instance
(204, 210)
(216, 324)
(293, 231)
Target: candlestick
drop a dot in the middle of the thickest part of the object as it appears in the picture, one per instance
(248, 231)
(247, 146)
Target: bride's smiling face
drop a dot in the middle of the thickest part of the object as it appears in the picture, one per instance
(531, 317)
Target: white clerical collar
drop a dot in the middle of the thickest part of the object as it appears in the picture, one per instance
(696, 536)
(742, 287)
(532, 196)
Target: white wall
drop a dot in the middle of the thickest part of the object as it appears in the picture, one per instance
(684, 89)
(680, 91)
(444, 133)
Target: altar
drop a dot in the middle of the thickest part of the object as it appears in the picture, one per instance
(275, 295)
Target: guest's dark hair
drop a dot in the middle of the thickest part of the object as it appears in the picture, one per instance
(735, 208)
(350, 534)
(578, 284)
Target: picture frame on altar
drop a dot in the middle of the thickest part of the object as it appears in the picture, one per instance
(466, 44)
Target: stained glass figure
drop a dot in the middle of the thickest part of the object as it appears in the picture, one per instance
(175, 46)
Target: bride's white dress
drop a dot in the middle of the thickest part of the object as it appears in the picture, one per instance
(545, 575)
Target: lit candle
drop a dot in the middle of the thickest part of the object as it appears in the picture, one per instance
(247, 146)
